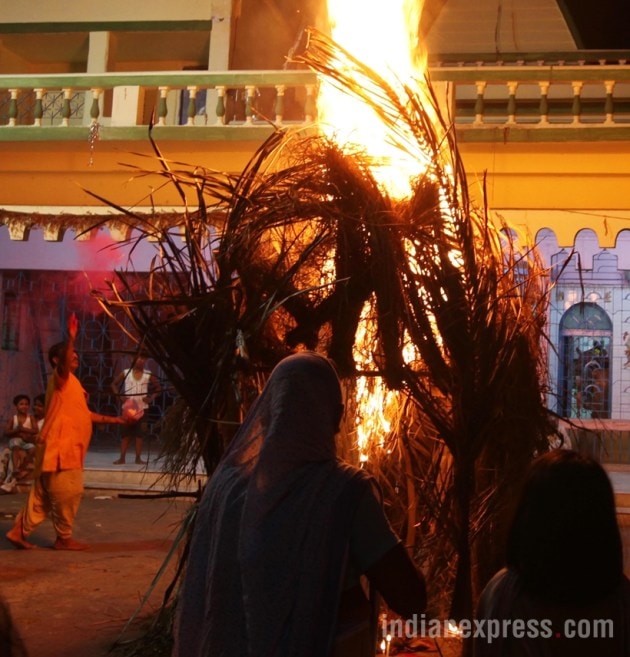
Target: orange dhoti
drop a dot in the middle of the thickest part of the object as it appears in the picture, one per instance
(57, 494)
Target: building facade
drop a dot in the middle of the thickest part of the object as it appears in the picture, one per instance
(543, 128)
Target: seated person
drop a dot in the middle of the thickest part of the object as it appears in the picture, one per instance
(21, 431)
(28, 465)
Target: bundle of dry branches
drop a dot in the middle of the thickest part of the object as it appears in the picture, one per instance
(288, 253)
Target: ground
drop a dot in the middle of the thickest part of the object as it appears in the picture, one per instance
(76, 604)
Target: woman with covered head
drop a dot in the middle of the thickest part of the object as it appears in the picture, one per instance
(564, 581)
(284, 531)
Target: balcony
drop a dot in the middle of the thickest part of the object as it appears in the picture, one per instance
(189, 105)
(567, 116)
(579, 96)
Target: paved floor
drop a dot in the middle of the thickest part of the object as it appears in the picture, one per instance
(103, 457)
(76, 604)
(101, 473)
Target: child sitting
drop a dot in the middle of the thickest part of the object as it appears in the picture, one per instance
(21, 431)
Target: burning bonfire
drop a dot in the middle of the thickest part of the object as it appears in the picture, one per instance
(434, 316)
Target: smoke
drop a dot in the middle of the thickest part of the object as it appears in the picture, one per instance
(101, 253)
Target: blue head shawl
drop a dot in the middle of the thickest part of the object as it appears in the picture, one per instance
(267, 554)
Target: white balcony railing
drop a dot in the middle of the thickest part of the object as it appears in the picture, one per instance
(542, 97)
(578, 95)
(121, 103)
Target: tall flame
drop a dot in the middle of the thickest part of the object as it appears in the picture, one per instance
(385, 37)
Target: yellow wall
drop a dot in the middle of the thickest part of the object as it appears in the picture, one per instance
(58, 173)
(563, 186)
(583, 175)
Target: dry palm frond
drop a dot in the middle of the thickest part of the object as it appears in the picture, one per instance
(473, 308)
(289, 252)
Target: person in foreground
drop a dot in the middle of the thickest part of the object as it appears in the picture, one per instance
(11, 643)
(563, 592)
(64, 439)
(283, 532)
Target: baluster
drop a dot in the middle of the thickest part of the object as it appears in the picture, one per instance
(94, 133)
(192, 108)
(544, 103)
(576, 107)
(65, 108)
(609, 104)
(13, 107)
(309, 104)
(220, 111)
(249, 104)
(479, 103)
(280, 89)
(95, 108)
(511, 105)
(162, 108)
(38, 110)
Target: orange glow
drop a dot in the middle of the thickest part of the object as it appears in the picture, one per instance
(373, 400)
(384, 36)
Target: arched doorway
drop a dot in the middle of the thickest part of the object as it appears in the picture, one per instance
(584, 374)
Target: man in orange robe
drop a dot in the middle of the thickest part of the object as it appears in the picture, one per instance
(58, 485)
